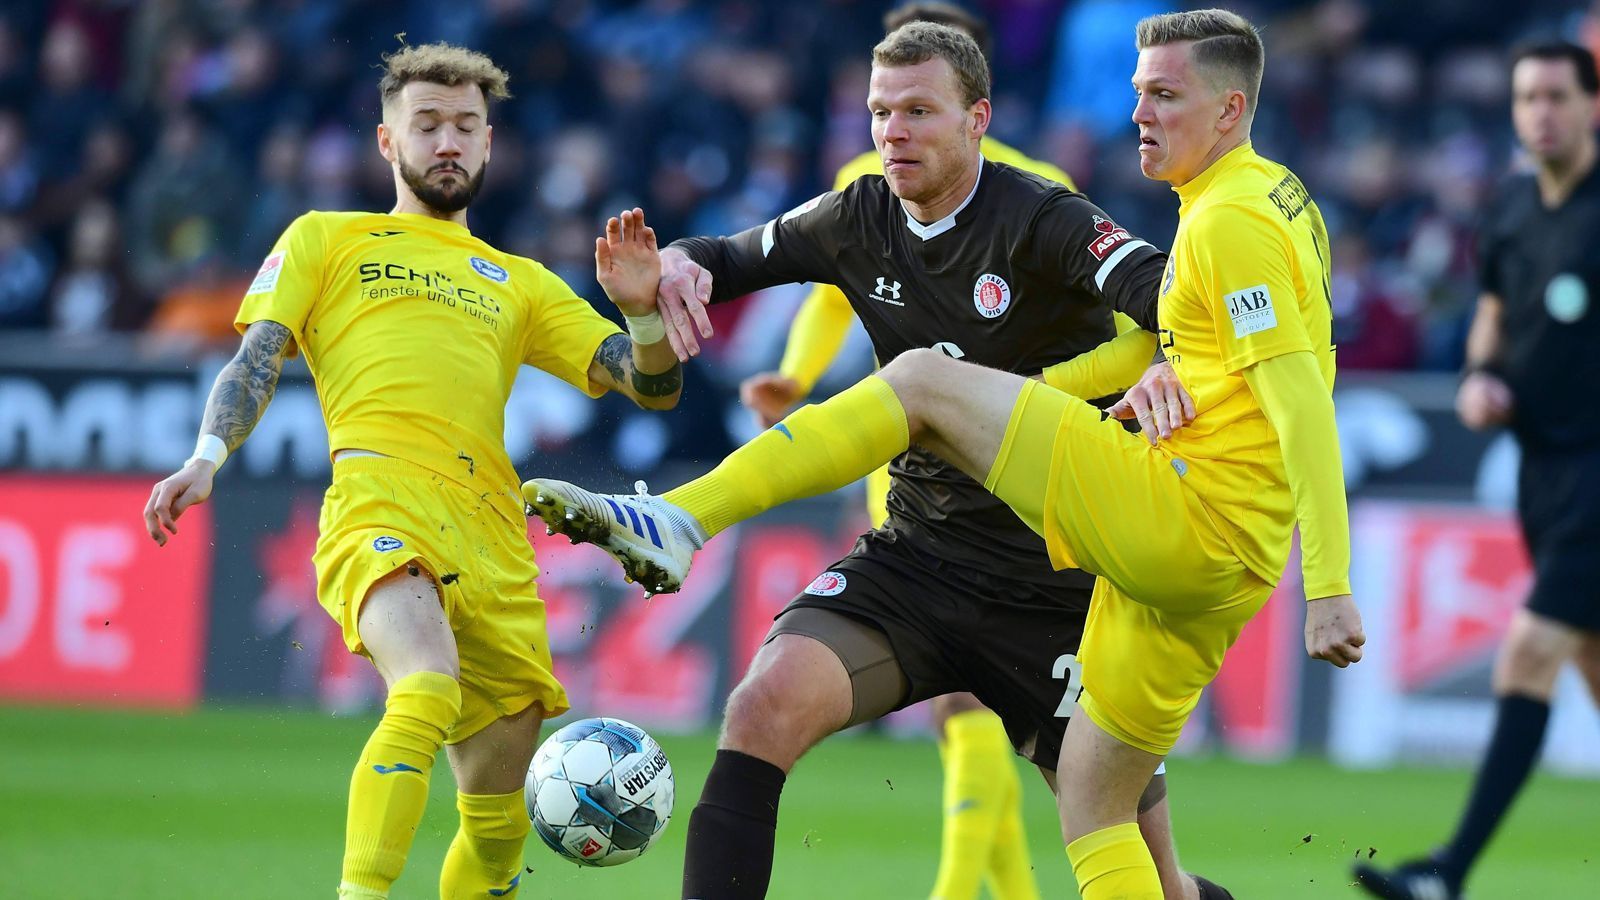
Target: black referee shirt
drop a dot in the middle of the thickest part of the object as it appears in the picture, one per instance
(1544, 264)
(1024, 274)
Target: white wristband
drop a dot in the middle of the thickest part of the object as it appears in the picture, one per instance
(211, 449)
(646, 329)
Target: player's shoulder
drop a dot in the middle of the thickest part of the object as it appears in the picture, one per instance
(524, 272)
(333, 221)
(1000, 152)
(1019, 186)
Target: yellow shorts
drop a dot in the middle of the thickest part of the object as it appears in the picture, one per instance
(1171, 596)
(380, 514)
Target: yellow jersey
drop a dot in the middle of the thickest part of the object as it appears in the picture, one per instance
(413, 330)
(1247, 280)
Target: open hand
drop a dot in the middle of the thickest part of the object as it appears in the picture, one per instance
(174, 494)
(627, 263)
(1158, 402)
(685, 291)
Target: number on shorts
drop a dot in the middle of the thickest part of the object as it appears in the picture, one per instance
(1067, 667)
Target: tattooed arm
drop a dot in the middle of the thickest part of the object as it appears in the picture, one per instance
(648, 374)
(245, 385)
(240, 395)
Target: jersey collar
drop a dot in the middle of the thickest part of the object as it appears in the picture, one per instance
(419, 218)
(1227, 162)
(934, 229)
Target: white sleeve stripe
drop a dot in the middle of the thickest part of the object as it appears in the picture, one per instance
(769, 237)
(1112, 260)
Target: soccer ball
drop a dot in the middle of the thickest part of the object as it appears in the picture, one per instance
(599, 792)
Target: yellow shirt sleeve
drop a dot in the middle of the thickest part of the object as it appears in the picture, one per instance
(1111, 367)
(289, 281)
(815, 336)
(1294, 396)
(563, 332)
(1242, 260)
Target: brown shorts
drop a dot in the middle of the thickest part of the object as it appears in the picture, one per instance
(909, 627)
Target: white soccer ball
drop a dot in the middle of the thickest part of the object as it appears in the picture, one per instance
(600, 791)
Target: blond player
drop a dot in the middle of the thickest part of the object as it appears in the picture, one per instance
(1187, 535)
(984, 838)
(414, 330)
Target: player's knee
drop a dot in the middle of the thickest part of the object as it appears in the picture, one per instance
(1530, 661)
(913, 375)
(770, 719)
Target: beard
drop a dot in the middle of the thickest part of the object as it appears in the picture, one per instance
(443, 197)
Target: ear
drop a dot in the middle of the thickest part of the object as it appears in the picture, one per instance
(385, 142)
(488, 141)
(1234, 110)
(981, 112)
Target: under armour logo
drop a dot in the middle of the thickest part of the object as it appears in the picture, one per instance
(893, 289)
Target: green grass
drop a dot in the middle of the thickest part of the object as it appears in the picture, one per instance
(242, 803)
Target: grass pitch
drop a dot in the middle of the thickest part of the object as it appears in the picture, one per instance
(246, 803)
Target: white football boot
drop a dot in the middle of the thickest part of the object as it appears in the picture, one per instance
(654, 540)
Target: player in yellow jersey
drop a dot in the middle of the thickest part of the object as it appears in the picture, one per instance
(1187, 535)
(414, 330)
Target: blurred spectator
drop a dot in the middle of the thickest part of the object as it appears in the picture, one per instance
(183, 203)
(102, 173)
(66, 102)
(196, 314)
(19, 172)
(1094, 60)
(14, 68)
(93, 294)
(281, 191)
(24, 275)
(1373, 327)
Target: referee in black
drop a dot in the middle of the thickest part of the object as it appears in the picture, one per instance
(1533, 339)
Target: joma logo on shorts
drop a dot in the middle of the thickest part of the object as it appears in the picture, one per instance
(386, 543)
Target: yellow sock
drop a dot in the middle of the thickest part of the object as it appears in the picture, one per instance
(1010, 874)
(485, 859)
(389, 788)
(980, 788)
(816, 449)
(1114, 864)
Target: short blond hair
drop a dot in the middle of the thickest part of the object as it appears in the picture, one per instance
(1227, 48)
(444, 64)
(917, 42)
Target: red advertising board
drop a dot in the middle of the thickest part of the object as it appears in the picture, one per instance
(91, 610)
(1463, 574)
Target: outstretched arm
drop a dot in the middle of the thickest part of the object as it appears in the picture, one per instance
(642, 364)
(238, 399)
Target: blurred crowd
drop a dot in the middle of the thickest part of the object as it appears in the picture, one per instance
(151, 152)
